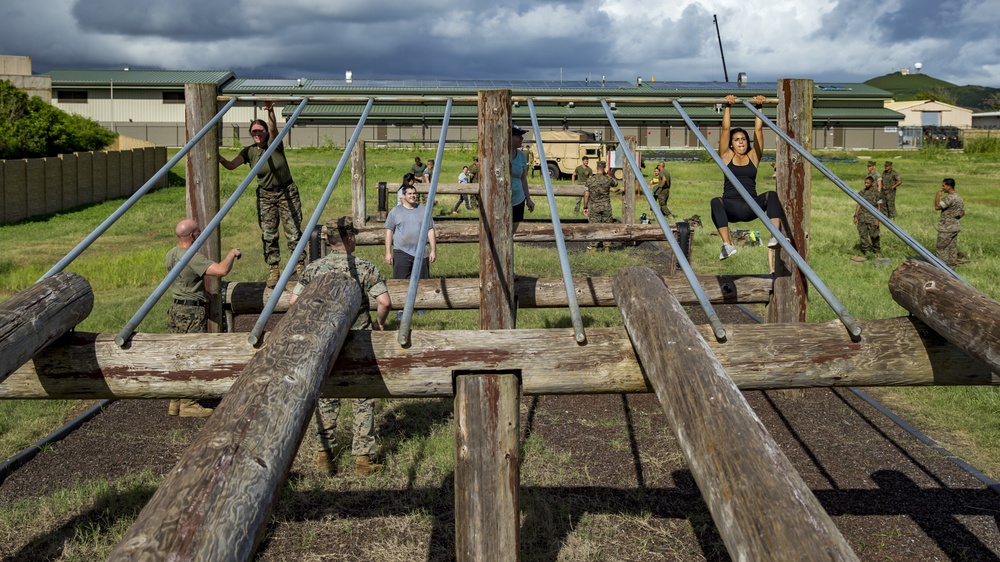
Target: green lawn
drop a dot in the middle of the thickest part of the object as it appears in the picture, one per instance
(126, 263)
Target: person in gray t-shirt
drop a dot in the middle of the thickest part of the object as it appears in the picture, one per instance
(402, 237)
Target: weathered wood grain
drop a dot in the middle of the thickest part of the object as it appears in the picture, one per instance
(957, 311)
(37, 316)
(531, 292)
(893, 352)
(213, 505)
(487, 467)
(493, 231)
(466, 232)
(761, 506)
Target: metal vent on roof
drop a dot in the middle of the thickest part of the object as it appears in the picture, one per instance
(834, 87)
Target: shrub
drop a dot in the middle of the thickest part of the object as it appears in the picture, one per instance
(983, 146)
(33, 128)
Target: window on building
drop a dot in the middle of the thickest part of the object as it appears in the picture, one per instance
(72, 96)
(173, 97)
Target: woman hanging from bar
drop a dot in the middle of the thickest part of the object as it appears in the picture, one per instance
(742, 158)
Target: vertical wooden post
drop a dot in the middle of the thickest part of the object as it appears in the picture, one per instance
(487, 474)
(358, 180)
(628, 184)
(203, 184)
(496, 240)
(794, 188)
(487, 405)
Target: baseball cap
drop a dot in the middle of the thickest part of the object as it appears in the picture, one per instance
(343, 225)
(515, 130)
(871, 162)
(888, 163)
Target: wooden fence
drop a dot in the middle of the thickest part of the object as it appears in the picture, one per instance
(40, 186)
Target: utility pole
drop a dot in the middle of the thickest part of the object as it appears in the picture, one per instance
(715, 19)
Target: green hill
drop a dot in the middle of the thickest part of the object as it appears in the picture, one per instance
(921, 86)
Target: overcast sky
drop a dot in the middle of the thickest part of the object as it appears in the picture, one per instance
(826, 40)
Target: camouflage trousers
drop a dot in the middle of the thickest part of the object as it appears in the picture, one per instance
(599, 214)
(279, 206)
(183, 319)
(870, 239)
(327, 412)
(889, 196)
(576, 208)
(947, 248)
(662, 196)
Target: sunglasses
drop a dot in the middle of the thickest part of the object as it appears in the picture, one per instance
(257, 131)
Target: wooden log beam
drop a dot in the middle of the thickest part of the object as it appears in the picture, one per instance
(957, 311)
(467, 232)
(214, 504)
(761, 506)
(531, 292)
(893, 352)
(37, 316)
(561, 190)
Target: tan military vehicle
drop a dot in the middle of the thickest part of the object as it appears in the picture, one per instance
(564, 151)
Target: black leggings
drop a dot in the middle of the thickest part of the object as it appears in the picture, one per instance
(729, 210)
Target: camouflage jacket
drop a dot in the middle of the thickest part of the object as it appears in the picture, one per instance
(369, 279)
(599, 186)
(872, 195)
(889, 179)
(952, 209)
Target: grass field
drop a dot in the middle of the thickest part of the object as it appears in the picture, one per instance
(126, 264)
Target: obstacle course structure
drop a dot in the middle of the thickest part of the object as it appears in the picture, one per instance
(214, 503)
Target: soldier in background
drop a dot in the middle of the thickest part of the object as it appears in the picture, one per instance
(874, 175)
(662, 191)
(866, 222)
(186, 315)
(890, 181)
(474, 178)
(341, 236)
(952, 208)
(597, 199)
(580, 175)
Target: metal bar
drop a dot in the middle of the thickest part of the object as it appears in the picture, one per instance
(849, 322)
(913, 244)
(472, 99)
(279, 287)
(574, 306)
(127, 331)
(706, 305)
(405, 322)
(104, 226)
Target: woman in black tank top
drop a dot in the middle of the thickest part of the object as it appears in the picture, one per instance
(742, 158)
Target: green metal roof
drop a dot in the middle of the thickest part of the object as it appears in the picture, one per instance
(137, 78)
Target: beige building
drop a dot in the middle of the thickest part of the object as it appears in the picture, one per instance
(17, 70)
(927, 113)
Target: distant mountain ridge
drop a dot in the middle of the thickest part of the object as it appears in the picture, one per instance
(906, 87)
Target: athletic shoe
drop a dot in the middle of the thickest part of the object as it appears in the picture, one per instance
(772, 243)
(727, 251)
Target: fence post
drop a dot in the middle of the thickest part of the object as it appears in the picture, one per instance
(203, 184)
(629, 182)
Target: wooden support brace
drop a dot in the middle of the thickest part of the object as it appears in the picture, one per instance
(448, 232)
(960, 313)
(214, 504)
(761, 506)
(893, 352)
(38, 315)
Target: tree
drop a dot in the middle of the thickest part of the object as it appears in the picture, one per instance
(993, 102)
(938, 93)
(30, 127)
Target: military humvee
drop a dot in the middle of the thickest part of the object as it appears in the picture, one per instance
(564, 151)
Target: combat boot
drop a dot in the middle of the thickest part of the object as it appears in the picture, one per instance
(364, 466)
(175, 408)
(326, 461)
(273, 276)
(192, 409)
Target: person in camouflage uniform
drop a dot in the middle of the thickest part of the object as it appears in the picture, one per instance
(277, 195)
(186, 315)
(952, 209)
(474, 178)
(866, 222)
(597, 198)
(580, 175)
(890, 181)
(874, 175)
(341, 236)
(662, 191)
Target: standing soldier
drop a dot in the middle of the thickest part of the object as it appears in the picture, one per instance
(277, 194)
(597, 199)
(867, 224)
(581, 174)
(952, 209)
(341, 236)
(873, 174)
(186, 314)
(890, 181)
(662, 191)
(474, 178)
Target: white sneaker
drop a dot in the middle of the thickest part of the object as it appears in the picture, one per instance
(727, 251)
